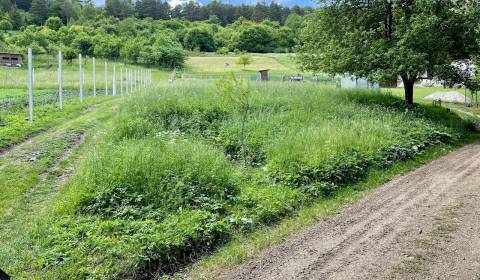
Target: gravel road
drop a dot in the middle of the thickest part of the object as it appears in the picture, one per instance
(422, 225)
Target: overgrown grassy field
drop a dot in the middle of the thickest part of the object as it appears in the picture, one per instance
(166, 184)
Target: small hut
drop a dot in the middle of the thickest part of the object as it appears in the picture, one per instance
(264, 74)
(10, 59)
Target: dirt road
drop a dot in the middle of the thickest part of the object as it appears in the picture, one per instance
(423, 225)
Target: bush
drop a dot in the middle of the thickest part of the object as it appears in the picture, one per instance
(5, 25)
(165, 52)
(255, 39)
(54, 23)
(199, 38)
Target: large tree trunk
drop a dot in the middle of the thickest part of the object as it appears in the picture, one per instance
(408, 86)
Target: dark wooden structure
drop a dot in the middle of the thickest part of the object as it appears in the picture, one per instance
(10, 59)
(264, 74)
(4, 276)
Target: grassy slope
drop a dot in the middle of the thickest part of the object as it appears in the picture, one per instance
(30, 179)
(162, 187)
(14, 125)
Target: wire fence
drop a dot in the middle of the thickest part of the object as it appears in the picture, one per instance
(37, 84)
(45, 97)
(321, 79)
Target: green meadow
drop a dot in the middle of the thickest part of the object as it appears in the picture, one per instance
(165, 183)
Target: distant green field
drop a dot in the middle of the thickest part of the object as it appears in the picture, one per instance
(215, 64)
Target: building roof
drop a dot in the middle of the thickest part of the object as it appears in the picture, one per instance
(10, 53)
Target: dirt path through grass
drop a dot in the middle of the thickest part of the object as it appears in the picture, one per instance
(32, 172)
(422, 225)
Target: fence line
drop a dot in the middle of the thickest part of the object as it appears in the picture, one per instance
(130, 81)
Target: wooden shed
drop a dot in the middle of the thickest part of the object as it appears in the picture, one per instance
(10, 59)
(264, 74)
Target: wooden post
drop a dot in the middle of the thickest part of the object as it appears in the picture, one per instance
(30, 86)
(94, 79)
(60, 91)
(81, 76)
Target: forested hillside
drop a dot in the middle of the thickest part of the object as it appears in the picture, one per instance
(148, 32)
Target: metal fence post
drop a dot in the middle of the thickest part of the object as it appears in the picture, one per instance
(81, 76)
(106, 79)
(126, 81)
(60, 92)
(30, 86)
(94, 78)
(114, 80)
(121, 81)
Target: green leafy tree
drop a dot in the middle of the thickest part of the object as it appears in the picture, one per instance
(255, 39)
(83, 44)
(130, 51)
(39, 11)
(244, 60)
(69, 54)
(5, 25)
(18, 18)
(54, 23)
(199, 38)
(384, 39)
(119, 8)
(67, 10)
(107, 46)
(164, 52)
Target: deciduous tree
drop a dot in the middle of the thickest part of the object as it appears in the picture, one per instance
(384, 39)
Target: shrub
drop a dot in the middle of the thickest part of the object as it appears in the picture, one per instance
(199, 38)
(54, 23)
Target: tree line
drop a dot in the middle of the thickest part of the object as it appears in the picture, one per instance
(160, 43)
(16, 14)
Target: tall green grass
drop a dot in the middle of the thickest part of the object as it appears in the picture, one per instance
(167, 184)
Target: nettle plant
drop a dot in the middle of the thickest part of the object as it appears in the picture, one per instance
(237, 93)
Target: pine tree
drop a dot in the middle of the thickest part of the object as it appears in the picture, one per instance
(39, 11)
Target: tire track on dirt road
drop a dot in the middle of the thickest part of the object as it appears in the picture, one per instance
(421, 225)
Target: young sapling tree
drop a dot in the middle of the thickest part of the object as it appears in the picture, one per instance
(237, 93)
(244, 60)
